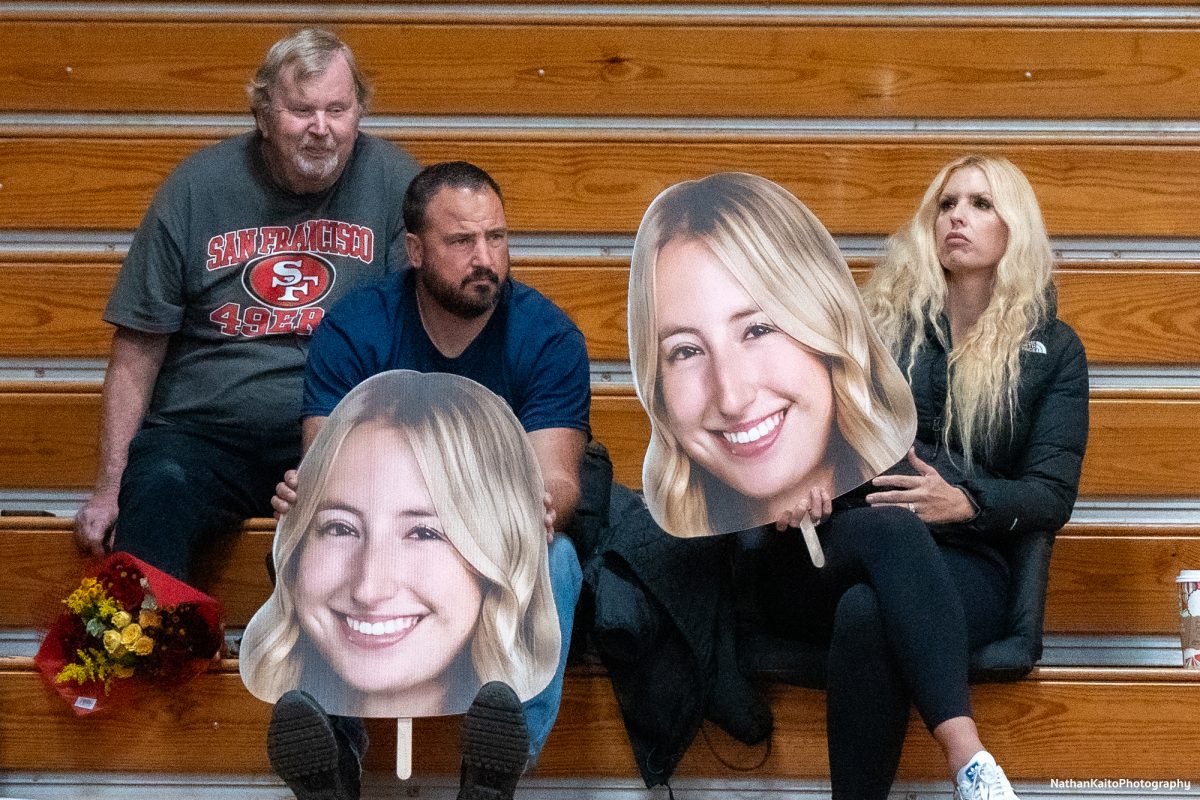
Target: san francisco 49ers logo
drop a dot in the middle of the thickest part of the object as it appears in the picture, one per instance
(289, 280)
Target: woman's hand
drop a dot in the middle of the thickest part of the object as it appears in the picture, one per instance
(807, 515)
(926, 494)
(817, 507)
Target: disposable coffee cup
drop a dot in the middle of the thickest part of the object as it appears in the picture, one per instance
(1189, 616)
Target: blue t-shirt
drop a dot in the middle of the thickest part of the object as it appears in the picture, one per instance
(529, 353)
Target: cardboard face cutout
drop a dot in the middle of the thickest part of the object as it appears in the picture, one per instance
(417, 538)
(754, 358)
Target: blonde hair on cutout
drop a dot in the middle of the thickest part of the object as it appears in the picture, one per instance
(907, 292)
(486, 487)
(790, 266)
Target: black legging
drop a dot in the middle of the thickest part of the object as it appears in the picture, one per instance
(900, 614)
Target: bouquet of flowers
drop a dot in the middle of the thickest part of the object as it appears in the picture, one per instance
(128, 621)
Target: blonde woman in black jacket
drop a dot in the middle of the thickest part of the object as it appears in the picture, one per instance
(965, 301)
(917, 577)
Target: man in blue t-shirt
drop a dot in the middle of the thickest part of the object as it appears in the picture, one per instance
(458, 311)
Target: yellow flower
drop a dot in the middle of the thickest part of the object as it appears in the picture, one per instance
(149, 619)
(121, 619)
(122, 671)
(106, 606)
(130, 634)
(87, 594)
(71, 672)
(112, 640)
(143, 646)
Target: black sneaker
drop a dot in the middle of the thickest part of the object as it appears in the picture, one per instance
(495, 745)
(305, 751)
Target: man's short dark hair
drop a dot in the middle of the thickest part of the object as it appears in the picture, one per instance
(434, 178)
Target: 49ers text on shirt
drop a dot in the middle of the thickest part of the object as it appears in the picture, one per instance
(285, 273)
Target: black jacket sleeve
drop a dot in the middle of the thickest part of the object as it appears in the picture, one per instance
(1039, 489)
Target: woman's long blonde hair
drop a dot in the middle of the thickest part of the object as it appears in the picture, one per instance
(790, 266)
(907, 293)
(486, 488)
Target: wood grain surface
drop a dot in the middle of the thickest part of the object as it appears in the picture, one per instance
(1141, 444)
(48, 435)
(640, 66)
(603, 185)
(1118, 580)
(1129, 313)
(1112, 722)
(1103, 580)
(1133, 313)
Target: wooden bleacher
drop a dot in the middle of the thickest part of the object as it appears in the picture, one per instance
(213, 725)
(48, 438)
(1106, 578)
(594, 182)
(583, 118)
(1152, 322)
(549, 62)
(1091, 722)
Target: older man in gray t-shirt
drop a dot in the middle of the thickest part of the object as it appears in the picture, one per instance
(245, 247)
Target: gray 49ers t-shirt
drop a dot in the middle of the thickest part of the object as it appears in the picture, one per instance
(240, 272)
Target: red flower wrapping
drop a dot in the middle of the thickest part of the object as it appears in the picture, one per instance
(185, 628)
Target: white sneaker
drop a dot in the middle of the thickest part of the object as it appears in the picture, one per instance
(984, 780)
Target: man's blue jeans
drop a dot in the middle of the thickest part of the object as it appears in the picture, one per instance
(566, 581)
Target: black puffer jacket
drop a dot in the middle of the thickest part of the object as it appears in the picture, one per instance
(1033, 473)
(663, 625)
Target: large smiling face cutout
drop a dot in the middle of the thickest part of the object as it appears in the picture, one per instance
(754, 358)
(387, 601)
(415, 544)
(749, 405)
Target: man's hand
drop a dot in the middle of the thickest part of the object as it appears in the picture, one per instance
(548, 520)
(94, 522)
(559, 453)
(285, 494)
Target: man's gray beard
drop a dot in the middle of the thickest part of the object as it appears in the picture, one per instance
(456, 301)
(317, 169)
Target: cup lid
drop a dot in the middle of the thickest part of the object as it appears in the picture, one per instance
(1189, 576)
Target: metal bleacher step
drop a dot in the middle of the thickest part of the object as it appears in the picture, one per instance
(1060, 650)
(1063, 650)
(138, 786)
